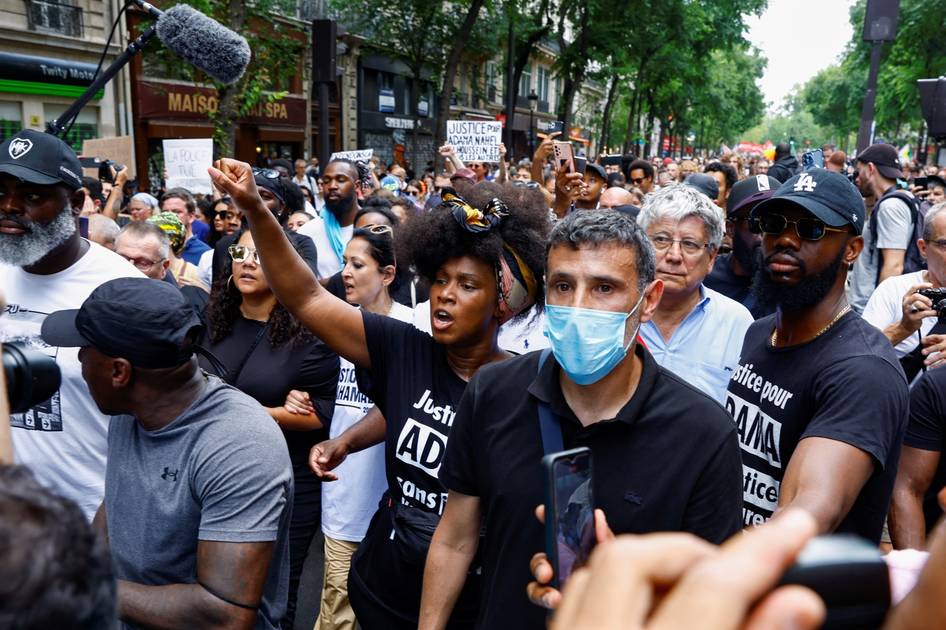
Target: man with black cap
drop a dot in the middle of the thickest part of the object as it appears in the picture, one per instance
(273, 189)
(733, 272)
(199, 483)
(45, 265)
(578, 191)
(819, 399)
(889, 240)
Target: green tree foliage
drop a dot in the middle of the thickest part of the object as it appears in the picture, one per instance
(277, 46)
(835, 95)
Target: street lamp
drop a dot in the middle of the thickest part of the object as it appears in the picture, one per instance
(880, 25)
(533, 100)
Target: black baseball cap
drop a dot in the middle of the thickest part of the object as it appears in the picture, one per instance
(598, 170)
(750, 191)
(40, 158)
(148, 322)
(272, 184)
(704, 183)
(885, 157)
(827, 195)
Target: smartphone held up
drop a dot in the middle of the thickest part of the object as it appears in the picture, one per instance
(569, 511)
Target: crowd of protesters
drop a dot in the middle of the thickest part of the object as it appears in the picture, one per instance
(359, 352)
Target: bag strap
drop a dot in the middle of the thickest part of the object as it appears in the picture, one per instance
(892, 193)
(549, 425)
(231, 378)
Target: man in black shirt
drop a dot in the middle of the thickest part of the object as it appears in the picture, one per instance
(914, 509)
(733, 272)
(786, 165)
(666, 456)
(819, 398)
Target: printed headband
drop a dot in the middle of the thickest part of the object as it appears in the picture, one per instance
(473, 219)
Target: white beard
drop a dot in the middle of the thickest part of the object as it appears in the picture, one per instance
(25, 249)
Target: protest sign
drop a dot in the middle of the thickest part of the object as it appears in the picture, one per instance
(475, 140)
(186, 162)
(119, 149)
(361, 155)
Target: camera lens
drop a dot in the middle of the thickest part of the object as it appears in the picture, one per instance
(31, 376)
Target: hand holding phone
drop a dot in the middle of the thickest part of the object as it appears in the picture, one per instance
(569, 511)
(563, 154)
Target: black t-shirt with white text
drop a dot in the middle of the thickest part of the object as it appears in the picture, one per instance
(843, 385)
(927, 431)
(417, 392)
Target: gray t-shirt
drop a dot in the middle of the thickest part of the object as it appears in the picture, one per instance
(894, 231)
(219, 472)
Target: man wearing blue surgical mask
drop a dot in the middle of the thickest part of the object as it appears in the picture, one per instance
(666, 456)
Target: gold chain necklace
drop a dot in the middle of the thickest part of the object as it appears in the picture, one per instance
(844, 311)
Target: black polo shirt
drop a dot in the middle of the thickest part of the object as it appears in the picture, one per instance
(669, 461)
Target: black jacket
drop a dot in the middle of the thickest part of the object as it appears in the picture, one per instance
(784, 168)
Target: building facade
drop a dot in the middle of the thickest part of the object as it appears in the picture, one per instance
(49, 51)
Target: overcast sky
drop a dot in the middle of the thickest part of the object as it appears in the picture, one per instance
(799, 38)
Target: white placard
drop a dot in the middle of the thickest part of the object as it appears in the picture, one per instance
(475, 140)
(186, 162)
(361, 155)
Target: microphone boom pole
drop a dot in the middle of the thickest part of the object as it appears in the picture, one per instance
(58, 126)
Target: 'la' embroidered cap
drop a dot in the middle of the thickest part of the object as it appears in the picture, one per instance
(40, 158)
(145, 321)
(828, 195)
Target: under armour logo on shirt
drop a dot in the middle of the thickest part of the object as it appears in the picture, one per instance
(169, 475)
(805, 183)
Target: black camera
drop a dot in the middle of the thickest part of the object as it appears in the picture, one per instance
(105, 170)
(31, 376)
(938, 298)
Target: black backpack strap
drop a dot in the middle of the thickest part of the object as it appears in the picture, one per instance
(872, 224)
(549, 425)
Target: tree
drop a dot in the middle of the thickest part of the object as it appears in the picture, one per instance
(277, 46)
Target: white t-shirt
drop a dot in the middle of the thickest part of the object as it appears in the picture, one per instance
(63, 440)
(519, 337)
(206, 267)
(329, 263)
(349, 503)
(884, 308)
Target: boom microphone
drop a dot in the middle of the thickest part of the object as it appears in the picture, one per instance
(201, 41)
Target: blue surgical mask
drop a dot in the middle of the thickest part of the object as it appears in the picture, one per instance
(588, 343)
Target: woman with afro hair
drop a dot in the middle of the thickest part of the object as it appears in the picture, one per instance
(484, 257)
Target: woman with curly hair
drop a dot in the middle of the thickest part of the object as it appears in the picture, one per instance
(485, 259)
(267, 354)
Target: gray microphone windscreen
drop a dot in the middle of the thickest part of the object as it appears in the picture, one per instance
(204, 43)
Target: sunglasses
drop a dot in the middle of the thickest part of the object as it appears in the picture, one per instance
(529, 185)
(378, 228)
(807, 228)
(268, 173)
(239, 253)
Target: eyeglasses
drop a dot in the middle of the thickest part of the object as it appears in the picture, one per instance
(806, 228)
(529, 185)
(378, 228)
(268, 173)
(689, 247)
(142, 263)
(239, 253)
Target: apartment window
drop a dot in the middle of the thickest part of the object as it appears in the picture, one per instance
(490, 82)
(49, 16)
(543, 85)
(525, 83)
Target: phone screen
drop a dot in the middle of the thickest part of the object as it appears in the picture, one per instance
(813, 159)
(574, 512)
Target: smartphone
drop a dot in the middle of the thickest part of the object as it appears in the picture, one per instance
(611, 160)
(581, 163)
(550, 126)
(562, 151)
(813, 159)
(569, 511)
(920, 182)
(84, 227)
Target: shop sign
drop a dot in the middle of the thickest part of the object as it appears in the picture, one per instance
(170, 100)
(386, 101)
(398, 123)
